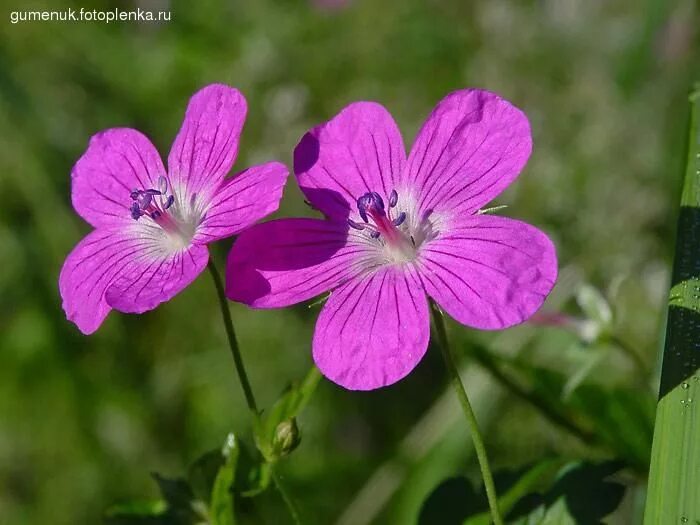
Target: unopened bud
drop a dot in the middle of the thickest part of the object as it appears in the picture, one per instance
(287, 437)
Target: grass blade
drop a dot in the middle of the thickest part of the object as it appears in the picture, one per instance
(673, 494)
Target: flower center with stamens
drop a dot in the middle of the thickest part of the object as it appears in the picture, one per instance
(157, 205)
(386, 226)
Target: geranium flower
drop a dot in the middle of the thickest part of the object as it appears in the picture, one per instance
(398, 231)
(151, 226)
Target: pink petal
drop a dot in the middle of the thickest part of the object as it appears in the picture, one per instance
(243, 200)
(287, 261)
(489, 272)
(471, 147)
(89, 270)
(154, 278)
(373, 330)
(358, 151)
(207, 144)
(116, 162)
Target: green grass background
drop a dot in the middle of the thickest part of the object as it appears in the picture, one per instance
(83, 420)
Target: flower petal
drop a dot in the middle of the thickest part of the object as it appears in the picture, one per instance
(489, 272)
(287, 261)
(373, 330)
(207, 144)
(89, 270)
(358, 151)
(154, 278)
(243, 200)
(471, 147)
(116, 162)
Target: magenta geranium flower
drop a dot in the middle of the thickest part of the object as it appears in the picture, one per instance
(398, 231)
(151, 226)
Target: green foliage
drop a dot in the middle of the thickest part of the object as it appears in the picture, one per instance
(85, 419)
(206, 497)
(547, 493)
(277, 433)
(673, 494)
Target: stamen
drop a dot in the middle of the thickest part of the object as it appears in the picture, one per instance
(393, 198)
(398, 221)
(135, 211)
(169, 202)
(374, 234)
(162, 185)
(356, 225)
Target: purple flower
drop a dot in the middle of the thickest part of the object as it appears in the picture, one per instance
(398, 231)
(152, 226)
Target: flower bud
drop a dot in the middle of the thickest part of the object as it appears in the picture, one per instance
(287, 437)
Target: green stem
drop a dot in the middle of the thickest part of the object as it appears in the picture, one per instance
(243, 378)
(456, 381)
(291, 507)
(233, 344)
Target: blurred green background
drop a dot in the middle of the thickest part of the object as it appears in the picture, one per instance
(84, 420)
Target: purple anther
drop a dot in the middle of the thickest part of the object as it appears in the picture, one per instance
(169, 202)
(135, 194)
(393, 198)
(398, 221)
(378, 202)
(162, 185)
(356, 225)
(370, 202)
(153, 192)
(144, 200)
(155, 215)
(135, 211)
(374, 234)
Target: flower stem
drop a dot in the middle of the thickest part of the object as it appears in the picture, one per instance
(456, 381)
(291, 507)
(233, 344)
(245, 383)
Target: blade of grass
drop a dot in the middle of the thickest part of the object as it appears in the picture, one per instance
(673, 494)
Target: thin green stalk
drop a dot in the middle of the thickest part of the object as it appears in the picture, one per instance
(456, 381)
(291, 507)
(232, 342)
(245, 383)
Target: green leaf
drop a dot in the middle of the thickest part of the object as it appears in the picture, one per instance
(455, 501)
(221, 508)
(140, 512)
(285, 409)
(618, 417)
(202, 473)
(253, 474)
(674, 477)
(581, 495)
